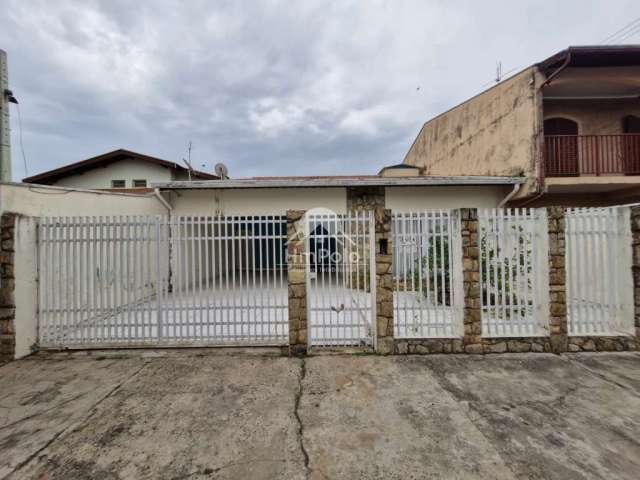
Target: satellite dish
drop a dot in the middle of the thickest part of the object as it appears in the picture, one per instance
(221, 170)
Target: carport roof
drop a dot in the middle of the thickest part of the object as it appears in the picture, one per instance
(338, 181)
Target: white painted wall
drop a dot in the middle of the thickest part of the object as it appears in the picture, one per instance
(411, 199)
(127, 169)
(26, 287)
(258, 201)
(49, 201)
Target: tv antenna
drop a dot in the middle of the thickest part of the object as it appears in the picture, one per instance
(500, 75)
(188, 162)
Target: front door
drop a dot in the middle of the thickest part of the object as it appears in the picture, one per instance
(561, 143)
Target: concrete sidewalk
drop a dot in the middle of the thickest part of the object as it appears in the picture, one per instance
(183, 415)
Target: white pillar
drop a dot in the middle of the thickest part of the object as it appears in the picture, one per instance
(5, 131)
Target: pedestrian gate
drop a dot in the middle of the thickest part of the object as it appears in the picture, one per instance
(427, 275)
(341, 280)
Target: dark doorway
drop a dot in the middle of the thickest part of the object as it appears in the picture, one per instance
(561, 146)
(323, 249)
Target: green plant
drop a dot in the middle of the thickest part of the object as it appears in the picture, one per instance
(432, 269)
(503, 270)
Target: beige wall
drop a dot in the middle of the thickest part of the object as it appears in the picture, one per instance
(594, 117)
(259, 201)
(493, 133)
(412, 199)
(127, 170)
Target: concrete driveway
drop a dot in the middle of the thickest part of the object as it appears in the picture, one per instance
(188, 415)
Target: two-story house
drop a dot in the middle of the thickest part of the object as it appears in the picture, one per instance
(570, 124)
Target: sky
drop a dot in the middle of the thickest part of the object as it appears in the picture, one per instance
(267, 87)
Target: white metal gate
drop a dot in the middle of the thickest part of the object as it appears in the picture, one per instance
(514, 272)
(113, 281)
(341, 279)
(599, 280)
(427, 269)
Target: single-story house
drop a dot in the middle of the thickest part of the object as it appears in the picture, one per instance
(119, 169)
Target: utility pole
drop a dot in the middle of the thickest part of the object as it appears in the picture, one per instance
(5, 131)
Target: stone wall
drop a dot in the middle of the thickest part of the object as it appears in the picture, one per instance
(296, 276)
(384, 282)
(557, 280)
(365, 198)
(472, 341)
(7, 287)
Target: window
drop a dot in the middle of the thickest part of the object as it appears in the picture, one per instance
(118, 184)
(139, 183)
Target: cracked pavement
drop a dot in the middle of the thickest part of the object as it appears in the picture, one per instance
(193, 415)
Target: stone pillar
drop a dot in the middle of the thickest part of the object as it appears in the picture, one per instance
(557, 280)
(635, 266)
(7, 288)
(472, 340)
(384, 282)
(296, 277)
(365, 198)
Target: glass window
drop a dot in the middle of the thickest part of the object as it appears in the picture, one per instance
(118, 184)
(139, 183)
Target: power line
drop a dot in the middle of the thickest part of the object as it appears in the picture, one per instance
(624, 30)
(24, 157)
(629, 34)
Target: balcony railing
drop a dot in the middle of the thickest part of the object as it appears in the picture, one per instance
(576, 155)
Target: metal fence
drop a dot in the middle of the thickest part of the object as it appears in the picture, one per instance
(100, 279)
(513, 272)
(150, 280)
(341, 279)
(201, 280)
(427, 274)
(599, 282)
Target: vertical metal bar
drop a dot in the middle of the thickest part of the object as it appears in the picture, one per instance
(157, 247)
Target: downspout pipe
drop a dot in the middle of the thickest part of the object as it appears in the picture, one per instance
(509, 196)
(541, 172)
(161, 199)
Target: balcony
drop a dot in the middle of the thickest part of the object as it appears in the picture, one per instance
(592, 155)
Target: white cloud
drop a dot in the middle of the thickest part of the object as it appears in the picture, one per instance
(303, 87)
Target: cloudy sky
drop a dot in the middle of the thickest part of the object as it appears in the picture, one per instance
(267, 87)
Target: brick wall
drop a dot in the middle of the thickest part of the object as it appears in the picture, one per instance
(7, 287)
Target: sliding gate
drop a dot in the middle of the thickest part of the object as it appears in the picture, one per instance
(341, 279)
(155, 281)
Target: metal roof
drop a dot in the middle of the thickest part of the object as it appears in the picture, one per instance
(338, 181)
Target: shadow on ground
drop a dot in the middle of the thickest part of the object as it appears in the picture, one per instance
(247, 416)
